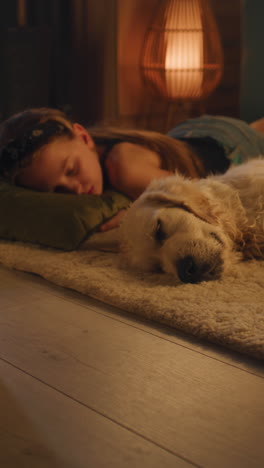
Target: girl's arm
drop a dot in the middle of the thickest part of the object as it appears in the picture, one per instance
(113, 222)
(258, 125)
(130, 169)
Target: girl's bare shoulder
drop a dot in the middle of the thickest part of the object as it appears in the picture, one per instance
(126, 154)
(131, 167)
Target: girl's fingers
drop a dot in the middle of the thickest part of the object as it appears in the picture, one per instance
(113, 222)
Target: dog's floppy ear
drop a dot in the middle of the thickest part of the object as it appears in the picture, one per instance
(194, 202)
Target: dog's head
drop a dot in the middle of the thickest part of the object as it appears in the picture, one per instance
(177, 227)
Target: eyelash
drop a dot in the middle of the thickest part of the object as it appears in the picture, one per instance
(72, 171)
(216, 238)
(159, 234)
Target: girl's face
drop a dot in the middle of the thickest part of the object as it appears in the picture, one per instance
(65, 165)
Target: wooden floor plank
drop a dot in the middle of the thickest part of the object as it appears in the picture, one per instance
(201, 409)
(41, 428)
(10, 280)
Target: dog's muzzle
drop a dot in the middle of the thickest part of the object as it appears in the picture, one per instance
(191, 270)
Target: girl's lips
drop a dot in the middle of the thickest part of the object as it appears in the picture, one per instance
(91, 191)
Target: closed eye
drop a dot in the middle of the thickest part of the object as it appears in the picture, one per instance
(61, 189)
(216, 237)
(159, 233)
(71, 171)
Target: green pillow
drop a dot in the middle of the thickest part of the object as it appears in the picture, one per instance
(54, 219)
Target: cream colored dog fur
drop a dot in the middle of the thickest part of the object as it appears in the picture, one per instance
(197, 229)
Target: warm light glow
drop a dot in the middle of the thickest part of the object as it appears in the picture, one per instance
(183, 65)
(180, 60)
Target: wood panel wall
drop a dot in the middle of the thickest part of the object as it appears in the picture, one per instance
(225, 100)
(107, 85)
(96, 62)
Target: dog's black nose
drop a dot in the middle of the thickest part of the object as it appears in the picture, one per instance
(188, 270)
(192, 271)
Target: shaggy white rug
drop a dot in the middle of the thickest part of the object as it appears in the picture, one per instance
(229, 312)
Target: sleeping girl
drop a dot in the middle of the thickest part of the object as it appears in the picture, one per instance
(43, 150)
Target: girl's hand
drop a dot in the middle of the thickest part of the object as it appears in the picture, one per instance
(258, 125)
(113, 222)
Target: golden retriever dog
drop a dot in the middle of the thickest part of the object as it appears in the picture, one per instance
(197, 229)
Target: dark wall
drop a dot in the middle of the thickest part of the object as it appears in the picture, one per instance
(225, 99)
(8, 13)
(35, 59)
(252, 69)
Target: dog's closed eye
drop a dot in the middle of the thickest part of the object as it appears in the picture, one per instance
(159, 233)
(216, 238)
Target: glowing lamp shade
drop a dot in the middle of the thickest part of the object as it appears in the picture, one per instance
(182, 54)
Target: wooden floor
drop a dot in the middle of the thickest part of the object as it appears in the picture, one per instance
(84, 385)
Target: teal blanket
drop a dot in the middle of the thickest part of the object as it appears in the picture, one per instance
(239, 141)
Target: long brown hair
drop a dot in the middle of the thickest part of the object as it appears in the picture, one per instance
(174, 154)
(19, 123)
(19, 131)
